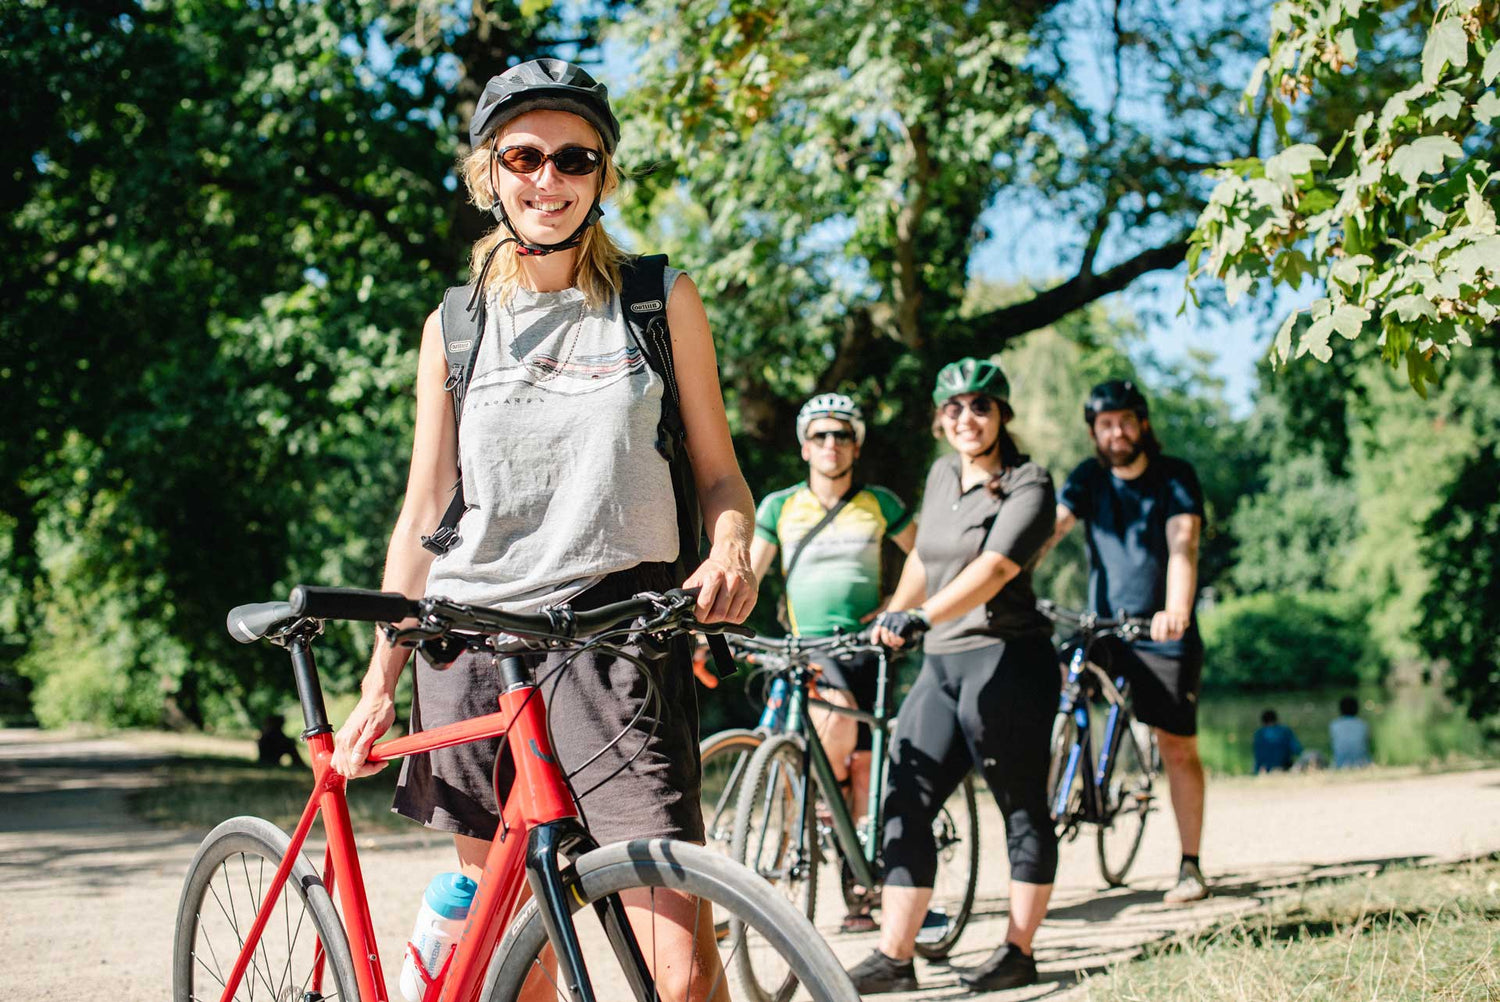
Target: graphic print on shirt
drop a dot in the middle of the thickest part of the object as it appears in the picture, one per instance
(553, 344)
(837, 581)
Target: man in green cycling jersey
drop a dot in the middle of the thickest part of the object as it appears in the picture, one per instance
(828, 530)
(1142, 513)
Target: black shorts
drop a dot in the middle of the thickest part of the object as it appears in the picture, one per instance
(1164, 685)
(856, 673)
(647, 785)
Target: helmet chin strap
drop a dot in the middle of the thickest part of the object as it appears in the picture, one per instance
(526, 247)
(529, 249)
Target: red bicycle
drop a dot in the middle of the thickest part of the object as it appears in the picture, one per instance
(257, 919)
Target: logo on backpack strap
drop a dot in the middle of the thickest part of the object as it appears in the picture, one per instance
(459, 345)
(649, 306)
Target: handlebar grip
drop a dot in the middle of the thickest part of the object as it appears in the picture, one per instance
(359, 604)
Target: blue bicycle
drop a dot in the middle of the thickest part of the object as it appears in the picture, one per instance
(1103, 769)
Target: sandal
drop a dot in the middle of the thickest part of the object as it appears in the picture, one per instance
(858, 922)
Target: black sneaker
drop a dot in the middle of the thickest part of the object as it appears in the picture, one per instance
(878, 973)
(1007, 967)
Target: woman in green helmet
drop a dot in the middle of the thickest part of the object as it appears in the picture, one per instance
(988, 687)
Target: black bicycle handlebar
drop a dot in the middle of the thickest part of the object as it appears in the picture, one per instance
(804, 645)
(1088, 620)
(359, 604)
(671, 610)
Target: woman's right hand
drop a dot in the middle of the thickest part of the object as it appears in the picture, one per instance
(371, 717)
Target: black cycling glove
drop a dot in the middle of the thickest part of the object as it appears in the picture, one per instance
(908, 625)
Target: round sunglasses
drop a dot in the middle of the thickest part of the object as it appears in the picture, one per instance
(575, 161)
(978, 406)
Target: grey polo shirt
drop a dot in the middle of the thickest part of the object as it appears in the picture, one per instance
(957, 526)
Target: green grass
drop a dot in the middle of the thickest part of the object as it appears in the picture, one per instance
(198, 793)
(1406, 933)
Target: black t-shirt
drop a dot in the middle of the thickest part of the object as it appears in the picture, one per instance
(956, 526)
(1126, 526)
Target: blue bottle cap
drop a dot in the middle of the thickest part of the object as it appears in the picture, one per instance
(450, 895)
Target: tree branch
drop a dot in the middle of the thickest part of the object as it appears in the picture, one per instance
(996, 327)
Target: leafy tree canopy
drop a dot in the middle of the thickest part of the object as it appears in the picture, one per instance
(1395, 216)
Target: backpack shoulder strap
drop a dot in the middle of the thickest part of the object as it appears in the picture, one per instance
(644, 305)
(462, 331)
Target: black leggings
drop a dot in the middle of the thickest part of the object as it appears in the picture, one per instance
(994, 707)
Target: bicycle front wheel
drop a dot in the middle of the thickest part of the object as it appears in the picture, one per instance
(724, 757)
(779, 936)
(775, 837)
(956, 832)
(302, 953)
(1127, 802)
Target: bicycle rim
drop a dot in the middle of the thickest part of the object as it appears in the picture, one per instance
(302, 955)
(647, 870)
(724, 756)
(1128, 798)
(775, 838)
(956, 832)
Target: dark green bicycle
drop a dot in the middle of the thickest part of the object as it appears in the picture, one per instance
(791, 816)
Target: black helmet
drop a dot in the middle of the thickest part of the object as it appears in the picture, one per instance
(550, 84)
(1114, 395)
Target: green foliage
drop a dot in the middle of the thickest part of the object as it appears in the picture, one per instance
(1280, 641)
(1294, 534)
(1458, 621)
(824, 170)
(1396, 218)
(224, 229)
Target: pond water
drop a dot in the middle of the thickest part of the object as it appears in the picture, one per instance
(1409, 725)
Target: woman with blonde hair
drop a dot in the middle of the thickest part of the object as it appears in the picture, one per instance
(566, 495)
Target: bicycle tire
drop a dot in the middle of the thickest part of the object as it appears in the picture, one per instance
(1128, 796)
(724, 756)
(246, 838)
(766, 827)
(660, 863)
(1064, 736)
(956, 829)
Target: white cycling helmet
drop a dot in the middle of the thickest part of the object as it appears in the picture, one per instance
(831, 405)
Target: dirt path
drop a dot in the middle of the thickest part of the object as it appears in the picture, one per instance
(89, 895)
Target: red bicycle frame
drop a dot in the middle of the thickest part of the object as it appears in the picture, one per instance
(540, 795)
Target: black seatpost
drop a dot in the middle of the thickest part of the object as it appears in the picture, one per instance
(309, 690)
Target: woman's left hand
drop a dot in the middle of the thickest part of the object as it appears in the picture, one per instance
(728, 586)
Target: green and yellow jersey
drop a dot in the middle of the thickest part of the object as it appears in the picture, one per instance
(837, 581)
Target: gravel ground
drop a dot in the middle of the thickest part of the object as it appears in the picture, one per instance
(90, 894)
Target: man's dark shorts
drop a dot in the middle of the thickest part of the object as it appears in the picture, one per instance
(856, 674)
(1164, 679)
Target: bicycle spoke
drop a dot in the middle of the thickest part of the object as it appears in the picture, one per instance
(218, 972)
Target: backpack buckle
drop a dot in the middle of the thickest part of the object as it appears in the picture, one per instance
(443, 539)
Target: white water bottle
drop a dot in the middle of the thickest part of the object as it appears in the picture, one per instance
(445, 906)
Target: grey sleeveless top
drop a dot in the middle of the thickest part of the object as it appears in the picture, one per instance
(557, 445)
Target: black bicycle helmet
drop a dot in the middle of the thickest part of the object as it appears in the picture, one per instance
(544, 84)
(551, 85)
(1114, 395)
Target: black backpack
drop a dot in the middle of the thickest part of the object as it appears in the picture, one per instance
(645, 310)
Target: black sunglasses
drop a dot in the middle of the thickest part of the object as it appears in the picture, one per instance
(839, 435)
(979, 406)
(575, 161)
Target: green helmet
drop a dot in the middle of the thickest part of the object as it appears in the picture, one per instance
(970, 375)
